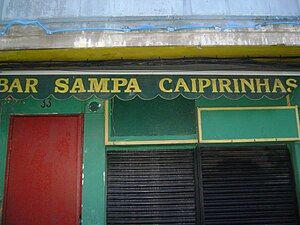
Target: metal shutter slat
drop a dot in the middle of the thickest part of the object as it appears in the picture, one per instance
(150, 187)
(248, 185)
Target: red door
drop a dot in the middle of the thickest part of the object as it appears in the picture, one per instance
(43, 173)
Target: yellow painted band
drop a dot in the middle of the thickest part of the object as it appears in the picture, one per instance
(162, 142)
(166, 52)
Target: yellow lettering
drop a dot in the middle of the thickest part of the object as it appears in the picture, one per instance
(181, 84)
(249, 84)
(61, 85)
(162, 87)
(3, 85)
(291, 83)
(118, 82)
(225, 84)
(236, 85)
(203, 83)
(278, 84)
(194, 87)
(214, 86)
(15, 84)
(30, 85)
(133, 84)
(98, 86)
(78, 86)
(265, 84)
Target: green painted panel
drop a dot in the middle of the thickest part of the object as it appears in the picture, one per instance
(94, 165)
(295, 97)
(244, 101)
(4, 125)
(249, 124)
(157, 117)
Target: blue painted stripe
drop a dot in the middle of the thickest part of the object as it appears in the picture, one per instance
(145, 28)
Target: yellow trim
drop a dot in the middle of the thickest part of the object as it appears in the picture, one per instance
(247, 140)
(106, 123)
(152, 142)
(297, 119)
(164, 52)
(162, 142)
(199, 124)
(247, 108)
(288, 100)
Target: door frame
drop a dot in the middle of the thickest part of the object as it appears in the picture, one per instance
(93, 193)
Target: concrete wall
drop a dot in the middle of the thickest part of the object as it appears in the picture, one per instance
(30, 37)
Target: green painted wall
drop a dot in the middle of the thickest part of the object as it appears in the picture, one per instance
(244, 101)
(152, 118)
(93, 184)
(249, 124)
(94, 155)
(94, 166)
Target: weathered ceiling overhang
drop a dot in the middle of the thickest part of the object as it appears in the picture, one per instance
(30, 42)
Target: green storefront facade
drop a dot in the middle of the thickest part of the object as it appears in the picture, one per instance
(170, 112)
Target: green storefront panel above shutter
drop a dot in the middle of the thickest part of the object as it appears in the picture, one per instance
(248, 124)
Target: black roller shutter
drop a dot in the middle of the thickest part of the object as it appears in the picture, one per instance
(150, 187)
(208, 186)
(252, 185)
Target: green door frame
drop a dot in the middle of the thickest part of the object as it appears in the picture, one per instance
(94, 157)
